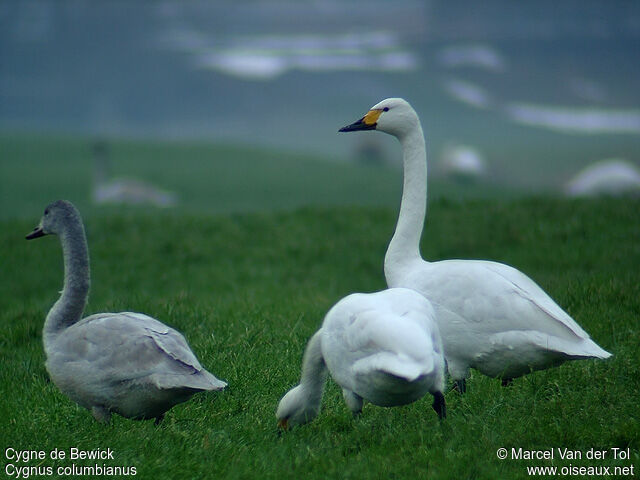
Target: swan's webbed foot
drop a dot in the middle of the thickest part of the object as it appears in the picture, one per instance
(159, 419)
(460, 385)
(439, 405)
(507, 382)
(101, 414)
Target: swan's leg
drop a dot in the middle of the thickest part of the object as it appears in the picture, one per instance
(460, 385)
(439, 405)
(159, 418)
(507, 382)
(459, 371)
(353, 400)
(101, 414)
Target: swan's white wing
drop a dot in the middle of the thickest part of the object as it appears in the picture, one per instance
(515, 353)
(531, 291)
(133, 347)
(390, 344)
(489, 297)
(494, 318)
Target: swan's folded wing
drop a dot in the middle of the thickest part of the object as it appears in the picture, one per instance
(134, 347)
(387, 342)
(515, 353)
(398, 365)
(538, 341)
(532, 292)
(490, 297)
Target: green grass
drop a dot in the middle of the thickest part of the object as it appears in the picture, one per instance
(248, 290)
(208, 178)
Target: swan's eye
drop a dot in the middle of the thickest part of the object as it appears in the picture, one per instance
(385, 109)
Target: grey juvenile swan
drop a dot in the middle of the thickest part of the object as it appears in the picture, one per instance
(127, 363)
(491, 316)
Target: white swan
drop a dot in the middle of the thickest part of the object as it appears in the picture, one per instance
(491, 316)
(612, 176)
(127, 363)
(382, 347)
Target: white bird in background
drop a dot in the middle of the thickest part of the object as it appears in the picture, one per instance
(491, 316)
(382, 347)
(123, 191)
(463, 163)
(606, 177)
(127, 363)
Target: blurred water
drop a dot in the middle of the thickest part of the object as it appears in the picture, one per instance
(289, 74)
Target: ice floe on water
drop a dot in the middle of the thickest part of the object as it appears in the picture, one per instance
(575, 119)
(467, 92)
(472, 55)
(268, 56)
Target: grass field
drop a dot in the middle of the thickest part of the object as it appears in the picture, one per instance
(207, 178)
(248, 290)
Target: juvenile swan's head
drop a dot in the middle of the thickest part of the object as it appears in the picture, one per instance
(296, 408)
(57, 216)
(393, 115)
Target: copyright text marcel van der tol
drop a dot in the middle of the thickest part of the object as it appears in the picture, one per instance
(63, 462)
(587, 462)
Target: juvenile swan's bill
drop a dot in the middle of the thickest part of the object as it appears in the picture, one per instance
(127, 363)
(491, 316)
(382, 347)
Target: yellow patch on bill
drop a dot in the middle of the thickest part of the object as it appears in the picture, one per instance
(372, 117)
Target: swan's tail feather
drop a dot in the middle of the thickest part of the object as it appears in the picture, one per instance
(394, 365)
(201, 381)
(586, 348)
(594, 350)
(214, 383)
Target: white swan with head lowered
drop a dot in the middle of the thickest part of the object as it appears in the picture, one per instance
(127, 363)
(382, 347)
(491, 316)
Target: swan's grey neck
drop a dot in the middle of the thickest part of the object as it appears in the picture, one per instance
(69, 307)
(404, 247)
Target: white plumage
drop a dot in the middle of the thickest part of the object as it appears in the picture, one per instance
(127, 363)
(605, 177)
(491, 316)
(382, 347)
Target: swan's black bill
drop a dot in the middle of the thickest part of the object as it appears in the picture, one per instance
(37, 232)
(357, 126)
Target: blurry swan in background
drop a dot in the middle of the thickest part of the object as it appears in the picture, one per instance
(123, 191)
(606, 177)
(462, 163)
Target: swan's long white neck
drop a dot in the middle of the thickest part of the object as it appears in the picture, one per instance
(404, 247)
(302, 403)
(69, 307)
(314, 372)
